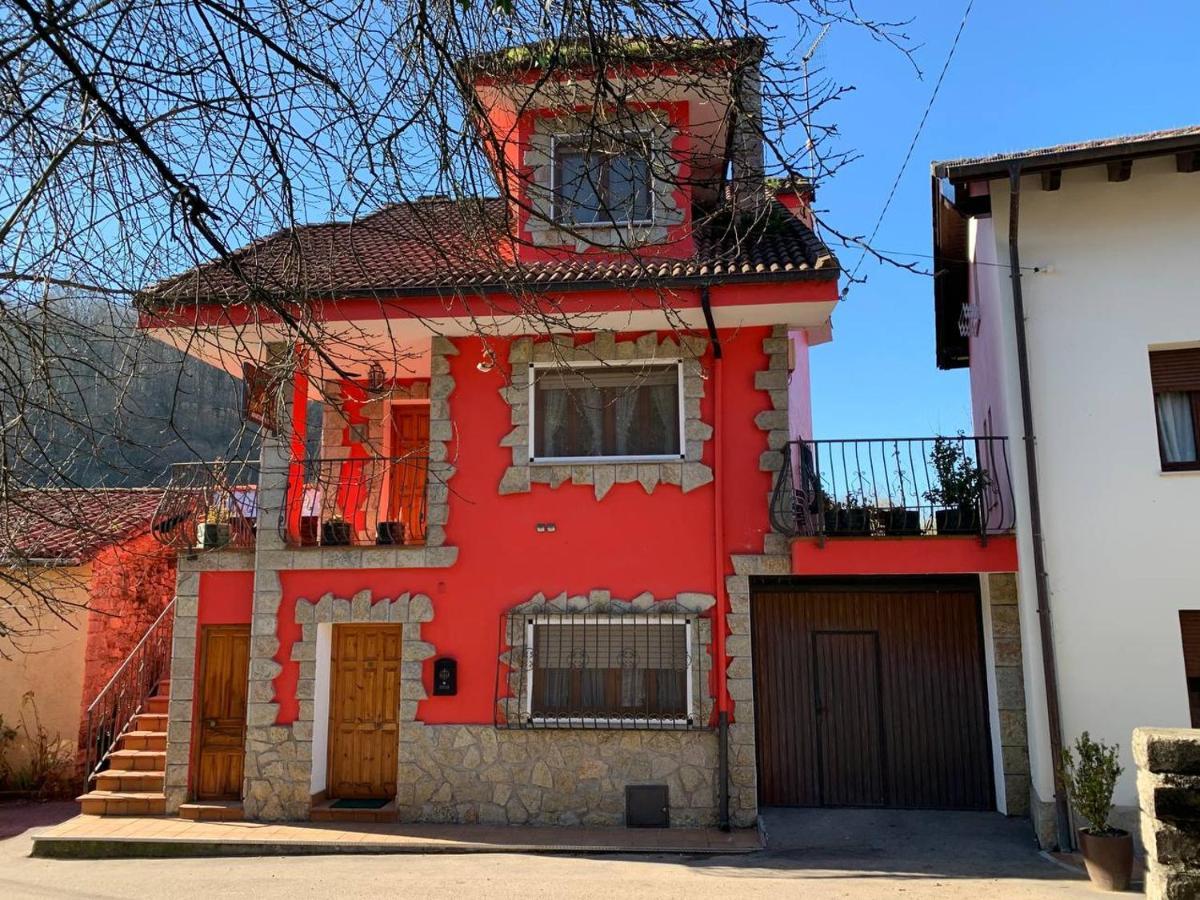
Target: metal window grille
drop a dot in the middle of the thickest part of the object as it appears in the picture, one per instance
(599, 670)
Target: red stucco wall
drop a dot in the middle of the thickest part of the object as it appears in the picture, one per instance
(130, 584)
(627, 543)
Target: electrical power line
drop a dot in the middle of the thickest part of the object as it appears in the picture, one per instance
(916, 137)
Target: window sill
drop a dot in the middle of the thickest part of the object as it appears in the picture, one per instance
(636, 223)
(1174, 473)
(617, 724)
(601, 460)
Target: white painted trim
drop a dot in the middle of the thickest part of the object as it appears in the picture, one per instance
(609, 364)
(322, 685)
(993, 700)
(532, 621)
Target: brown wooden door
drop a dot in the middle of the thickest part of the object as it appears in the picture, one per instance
(410, 472)
(872, 693)
(849, 735)
(364, 711)
(224, 675)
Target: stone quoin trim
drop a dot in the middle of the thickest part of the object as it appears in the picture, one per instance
(775, 559)
(688, 473)
(184, 650)
(600, 603)
(666, 205)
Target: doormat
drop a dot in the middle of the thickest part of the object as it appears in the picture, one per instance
(358, 804)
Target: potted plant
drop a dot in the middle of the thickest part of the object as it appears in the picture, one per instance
(214, 530)
(389, 532)
(1090, 775)
(897, 519)
(959, 489)
(846, 517)
(335, 532)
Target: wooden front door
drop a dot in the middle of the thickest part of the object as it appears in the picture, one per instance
(364, 711)
(849, 738)
(221, 747)
(410, 471)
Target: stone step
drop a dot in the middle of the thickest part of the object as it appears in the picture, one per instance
(138, 760)
(212, 811)
(157, 704)
(123, 780)
(122, 803)
(150, 722)
(144, 740)
(325, 812)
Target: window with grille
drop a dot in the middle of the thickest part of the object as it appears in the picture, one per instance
(595, 185)
(584, 412)
(1175, 375)
(607, 671)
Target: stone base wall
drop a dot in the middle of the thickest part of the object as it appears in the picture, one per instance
(1168, 783)
(1005, 625)
(480, 774)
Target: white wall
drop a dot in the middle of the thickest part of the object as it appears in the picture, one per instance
(1122, 538)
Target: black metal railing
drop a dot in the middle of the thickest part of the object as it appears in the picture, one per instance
(353, 502)
(209, 505)
(594, 669)
(894, 487)
(111, 713)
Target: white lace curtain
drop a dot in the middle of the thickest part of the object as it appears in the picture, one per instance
(1176, 426)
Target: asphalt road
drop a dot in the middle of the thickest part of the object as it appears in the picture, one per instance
(817, 855)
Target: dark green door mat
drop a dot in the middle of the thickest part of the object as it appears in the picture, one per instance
(358, 804)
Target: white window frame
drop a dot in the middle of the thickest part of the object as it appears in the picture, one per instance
(568, 138)
(531, 622)
(535, 460)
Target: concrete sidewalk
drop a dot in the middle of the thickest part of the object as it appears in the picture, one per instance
(94, 837)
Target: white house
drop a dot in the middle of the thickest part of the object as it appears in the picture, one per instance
(1102, 405)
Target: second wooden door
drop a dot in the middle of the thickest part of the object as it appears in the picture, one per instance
(224, 675)
(410, 470)
(364, 711)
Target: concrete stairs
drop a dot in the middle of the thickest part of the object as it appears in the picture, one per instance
(132, 785)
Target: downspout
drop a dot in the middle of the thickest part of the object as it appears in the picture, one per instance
(720, 623)
(1041, 582)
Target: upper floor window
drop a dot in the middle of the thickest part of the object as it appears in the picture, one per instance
(1175, 375)
(595, 185)
(587, 411)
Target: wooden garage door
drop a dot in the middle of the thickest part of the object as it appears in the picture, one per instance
(871, 695)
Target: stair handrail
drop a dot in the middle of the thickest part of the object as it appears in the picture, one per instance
(122, 698)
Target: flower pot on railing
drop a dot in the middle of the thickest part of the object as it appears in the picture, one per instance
(214, 535)
(847, 521)
(960, 520)
(310, 531)
(389, 533)
(899, 522)
(335, 533)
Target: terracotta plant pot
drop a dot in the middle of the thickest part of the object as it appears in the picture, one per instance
(1108, 857)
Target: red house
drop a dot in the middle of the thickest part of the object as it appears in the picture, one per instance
(569, 553)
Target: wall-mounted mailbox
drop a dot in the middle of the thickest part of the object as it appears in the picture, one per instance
(445, 677)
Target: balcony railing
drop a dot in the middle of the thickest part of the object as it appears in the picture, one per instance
(355, 502)
(894, 487)
(209, 505)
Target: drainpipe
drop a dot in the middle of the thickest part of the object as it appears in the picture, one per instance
(1045, 622)
(720, 622)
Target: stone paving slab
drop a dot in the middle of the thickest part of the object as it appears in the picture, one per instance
(95, 837)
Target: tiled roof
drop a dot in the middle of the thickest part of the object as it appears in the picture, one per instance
(432, 245)
(70, 526)
(1095, 150)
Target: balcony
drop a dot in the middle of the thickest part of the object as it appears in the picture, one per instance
(894, 487)
(354, 502)
(209, 506)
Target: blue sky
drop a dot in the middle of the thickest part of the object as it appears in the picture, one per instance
(1025, 74)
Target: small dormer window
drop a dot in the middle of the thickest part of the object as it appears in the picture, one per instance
(594, 185)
